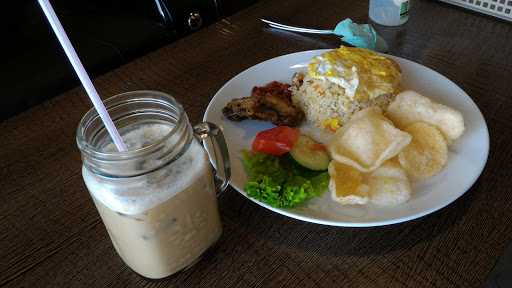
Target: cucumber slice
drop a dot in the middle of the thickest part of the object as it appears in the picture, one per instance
(305, 151)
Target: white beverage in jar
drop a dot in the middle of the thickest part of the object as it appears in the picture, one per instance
(159, 222)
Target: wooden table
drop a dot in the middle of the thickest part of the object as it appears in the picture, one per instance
(51, 234)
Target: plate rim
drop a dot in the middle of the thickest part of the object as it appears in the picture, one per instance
(398, 220)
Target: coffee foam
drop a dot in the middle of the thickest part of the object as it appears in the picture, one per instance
(134, 195)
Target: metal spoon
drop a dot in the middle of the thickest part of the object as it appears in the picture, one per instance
(380, 46)
(297, 29)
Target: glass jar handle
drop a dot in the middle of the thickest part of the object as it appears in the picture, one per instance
(218, 149)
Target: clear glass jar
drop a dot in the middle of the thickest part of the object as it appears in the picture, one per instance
(389, 12)
(158, 199)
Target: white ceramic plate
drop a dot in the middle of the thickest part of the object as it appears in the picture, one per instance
(467, 156)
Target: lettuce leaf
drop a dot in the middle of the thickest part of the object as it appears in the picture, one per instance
(280, 181)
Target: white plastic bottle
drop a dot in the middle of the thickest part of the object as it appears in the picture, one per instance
(389, 12)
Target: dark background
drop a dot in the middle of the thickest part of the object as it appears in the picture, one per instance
(105, 33)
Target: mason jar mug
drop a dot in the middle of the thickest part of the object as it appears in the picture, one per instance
(158, 198)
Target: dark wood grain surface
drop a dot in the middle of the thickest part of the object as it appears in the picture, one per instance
(51, 234)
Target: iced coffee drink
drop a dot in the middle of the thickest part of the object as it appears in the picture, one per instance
(158, 200)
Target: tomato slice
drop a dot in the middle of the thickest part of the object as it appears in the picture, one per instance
(276, 141)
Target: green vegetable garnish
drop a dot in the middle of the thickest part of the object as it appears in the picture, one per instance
(280, 181)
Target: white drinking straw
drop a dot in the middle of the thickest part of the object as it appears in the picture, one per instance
(82, 74)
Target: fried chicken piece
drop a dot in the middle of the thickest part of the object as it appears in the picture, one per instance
(278, 97)
(268, 103)
(248, 108)
(282, 106)
(240, 109)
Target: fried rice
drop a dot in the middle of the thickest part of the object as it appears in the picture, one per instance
(326, 104)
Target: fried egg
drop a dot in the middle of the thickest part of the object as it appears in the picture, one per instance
(362, 73)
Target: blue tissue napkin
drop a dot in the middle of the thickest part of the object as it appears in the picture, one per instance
(360, 35)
